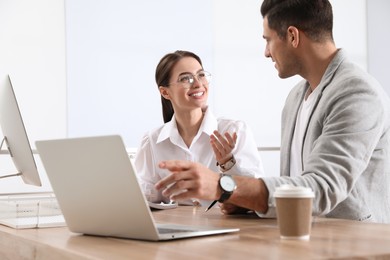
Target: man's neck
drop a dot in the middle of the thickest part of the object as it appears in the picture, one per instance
(318, 58)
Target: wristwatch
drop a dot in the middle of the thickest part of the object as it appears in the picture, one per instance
(228, 165)
(227, 185)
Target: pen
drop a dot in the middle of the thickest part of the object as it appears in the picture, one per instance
(211, 205)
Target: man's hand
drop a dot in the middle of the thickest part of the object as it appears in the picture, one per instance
(229, 209)
(189, 180)
(193, 180)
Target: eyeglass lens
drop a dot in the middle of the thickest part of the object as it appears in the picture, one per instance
(188, 79)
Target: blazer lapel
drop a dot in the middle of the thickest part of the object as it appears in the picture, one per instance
(288, 126)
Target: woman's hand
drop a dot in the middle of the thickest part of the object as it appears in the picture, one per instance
(223, 146)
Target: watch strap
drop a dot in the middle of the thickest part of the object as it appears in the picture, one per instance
(227, 165)
(224, 196)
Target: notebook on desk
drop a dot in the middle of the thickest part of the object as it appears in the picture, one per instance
(98, 191)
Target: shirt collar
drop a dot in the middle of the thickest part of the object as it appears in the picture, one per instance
(209, 123)
(170, 130)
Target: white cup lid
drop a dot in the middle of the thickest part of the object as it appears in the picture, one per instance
(290, 191)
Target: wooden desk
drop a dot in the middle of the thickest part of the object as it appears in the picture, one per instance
(258, 239)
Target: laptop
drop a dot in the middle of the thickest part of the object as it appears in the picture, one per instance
(98, 192)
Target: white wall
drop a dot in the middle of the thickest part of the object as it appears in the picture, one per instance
(379, 40)
(32, 51)
(113, 47)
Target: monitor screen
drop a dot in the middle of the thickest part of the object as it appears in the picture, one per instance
(15, 138)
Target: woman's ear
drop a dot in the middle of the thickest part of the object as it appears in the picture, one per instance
(164, 92)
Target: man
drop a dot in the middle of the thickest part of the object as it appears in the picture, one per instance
(335, 127)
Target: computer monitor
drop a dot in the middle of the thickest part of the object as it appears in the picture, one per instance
(14, 135)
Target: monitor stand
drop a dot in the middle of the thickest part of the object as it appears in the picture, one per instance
(8, 151)
(28, 210)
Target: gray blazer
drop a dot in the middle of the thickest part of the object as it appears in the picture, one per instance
(346, 147)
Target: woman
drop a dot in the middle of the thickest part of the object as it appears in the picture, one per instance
(191, 132)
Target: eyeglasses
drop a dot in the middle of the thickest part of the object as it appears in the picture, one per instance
(188, 79)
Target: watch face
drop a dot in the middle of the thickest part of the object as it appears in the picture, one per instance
(227, 183)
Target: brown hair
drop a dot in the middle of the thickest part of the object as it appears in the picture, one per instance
(313, 17)
(163, 76)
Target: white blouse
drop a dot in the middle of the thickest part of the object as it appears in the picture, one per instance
(165, 143)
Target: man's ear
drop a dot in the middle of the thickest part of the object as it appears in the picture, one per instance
(293, 36)
(164, 92)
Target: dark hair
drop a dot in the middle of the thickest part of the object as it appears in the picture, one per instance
(163, 76)
(313, 17)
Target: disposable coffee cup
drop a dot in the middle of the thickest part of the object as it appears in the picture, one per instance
(294, 211)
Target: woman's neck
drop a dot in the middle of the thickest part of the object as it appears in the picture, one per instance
(188, 124)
